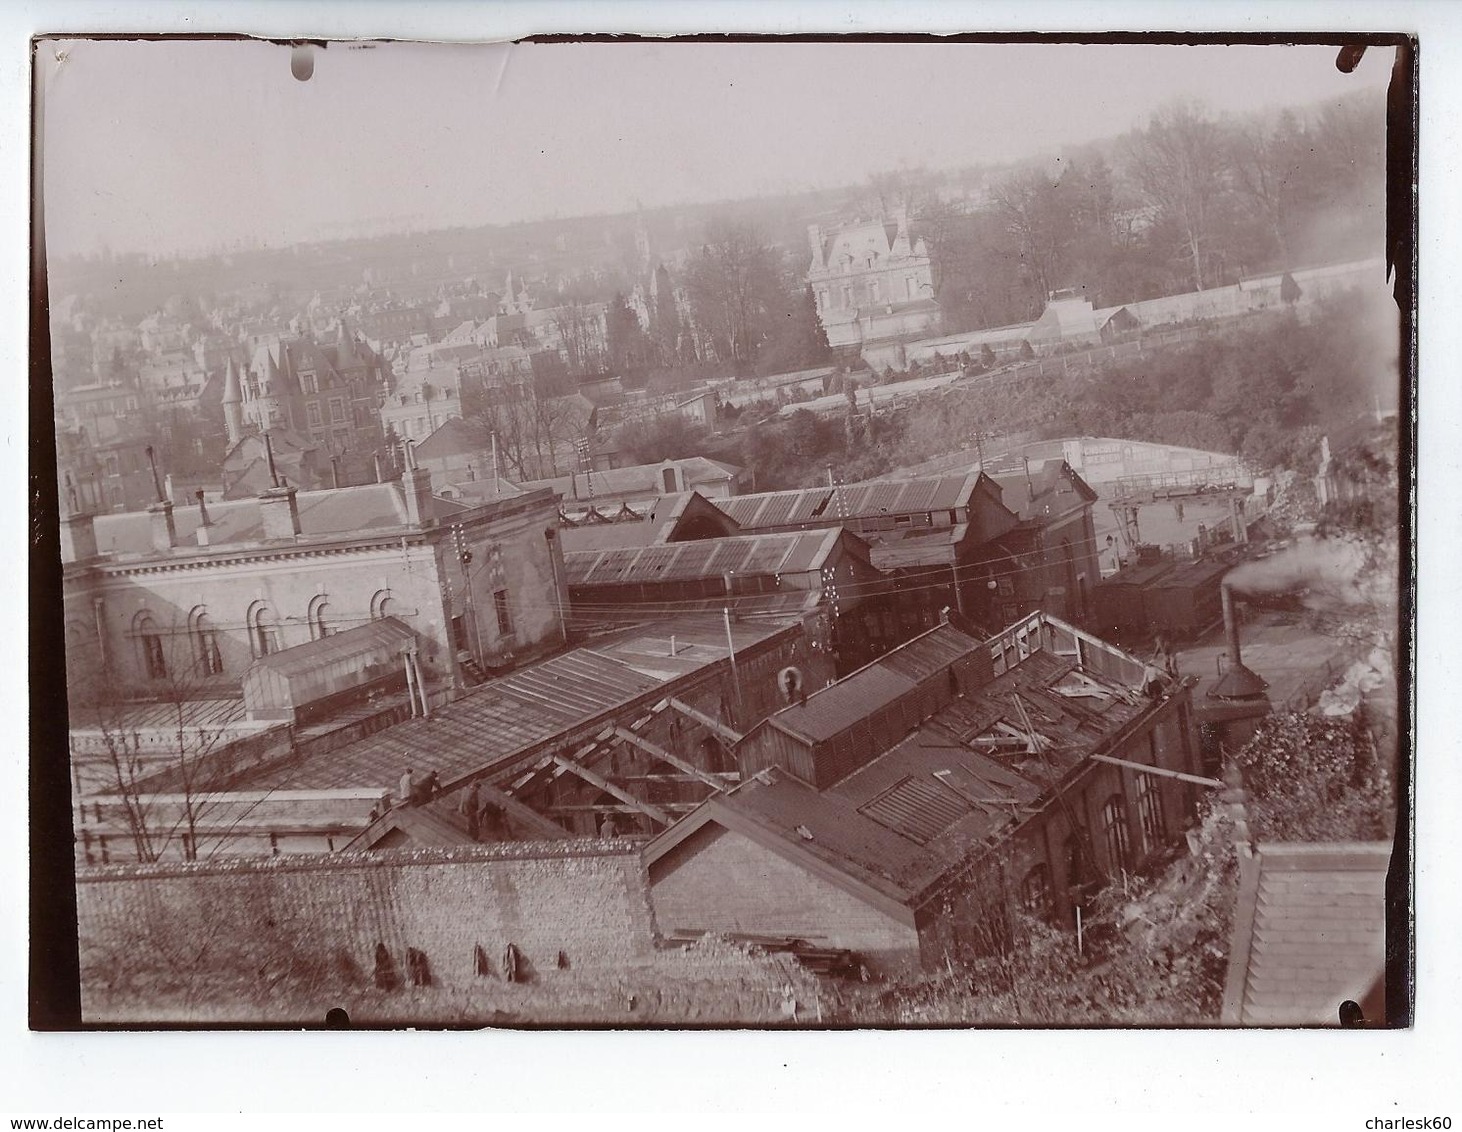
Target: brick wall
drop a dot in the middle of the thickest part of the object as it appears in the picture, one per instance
(718, 880)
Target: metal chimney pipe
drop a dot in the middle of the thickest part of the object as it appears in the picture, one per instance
(156, 483)
(1230, 625)
(335, 471)
(202, 508)
(269, 456)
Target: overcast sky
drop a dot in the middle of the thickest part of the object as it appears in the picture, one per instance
(187, 146)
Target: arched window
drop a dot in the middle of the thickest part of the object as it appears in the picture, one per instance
(1035, 891)
(206, 653)
(381, 605)
(1114, 828)
(319, 625)
(149, 644)
(1149, 811)
(263, 630)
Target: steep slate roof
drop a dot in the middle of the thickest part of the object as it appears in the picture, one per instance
(1309, 933)
(1043, 494)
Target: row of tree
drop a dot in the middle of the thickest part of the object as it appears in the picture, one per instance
(1187, 202)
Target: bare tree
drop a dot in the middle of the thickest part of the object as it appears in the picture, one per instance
(1038, 214)
(577, 325)
(168, 785)
(735, 287)
(1266, 167)
(1180, 163)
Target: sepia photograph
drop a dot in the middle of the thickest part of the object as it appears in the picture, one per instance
(728, 533)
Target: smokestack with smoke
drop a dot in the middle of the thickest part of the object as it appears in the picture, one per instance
(1327, 573)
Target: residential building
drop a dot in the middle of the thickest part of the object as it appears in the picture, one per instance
(872, 280)
(328, 393)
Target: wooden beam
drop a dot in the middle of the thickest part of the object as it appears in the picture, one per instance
(525, 814)
(602, 808)
(706, 721)
(609, 788)
(666, 757)
(1143, 768)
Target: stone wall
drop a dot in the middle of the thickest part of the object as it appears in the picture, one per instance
(286, 939)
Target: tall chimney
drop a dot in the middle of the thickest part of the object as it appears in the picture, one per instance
(416, 483)
(1237, 681)
(78, 528)
(203, 523)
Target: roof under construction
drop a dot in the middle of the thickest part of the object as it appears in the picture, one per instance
(958, 781)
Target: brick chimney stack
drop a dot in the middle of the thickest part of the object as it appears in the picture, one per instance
(78, 528)
(416, 484)
(164, 530)
(279, 512)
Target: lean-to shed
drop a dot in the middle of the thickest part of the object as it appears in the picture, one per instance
(303, 682)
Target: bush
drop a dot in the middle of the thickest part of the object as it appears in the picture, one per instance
(1316, 778)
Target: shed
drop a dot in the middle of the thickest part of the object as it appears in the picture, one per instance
(308, 680)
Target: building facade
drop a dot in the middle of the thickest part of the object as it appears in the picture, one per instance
(872, 280)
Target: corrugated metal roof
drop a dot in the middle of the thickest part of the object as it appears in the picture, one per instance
(857, 696)
(839, 706)
(917, 808)
(927, 653)
(386, 635)
(496, 722)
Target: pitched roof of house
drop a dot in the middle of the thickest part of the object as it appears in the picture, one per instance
(1309, 933)
(1052, 488)
(456, 436)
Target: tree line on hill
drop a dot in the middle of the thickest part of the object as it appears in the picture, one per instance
(1187, 202)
